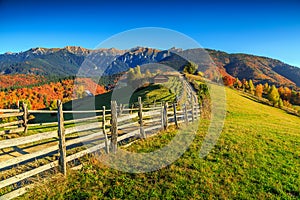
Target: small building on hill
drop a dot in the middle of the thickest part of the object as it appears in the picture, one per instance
(160, 79)
(88, 93)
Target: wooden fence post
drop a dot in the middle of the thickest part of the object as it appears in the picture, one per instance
(131, 111)
(200, 109)
(162, 116)
(62, 139)
(186, 114)
(140, 114)
(193, 108)
(166, 116)
(19, 117)
(104, 131)
(197, 109)
(175, 114)
(25, 117)
(121, 107)
(114, 127)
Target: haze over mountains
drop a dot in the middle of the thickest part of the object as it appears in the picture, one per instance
(67, 61)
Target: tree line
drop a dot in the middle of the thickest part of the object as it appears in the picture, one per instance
(278, 96)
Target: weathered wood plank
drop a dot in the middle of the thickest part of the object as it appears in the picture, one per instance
(114, 127)
(9, 110)
(43, 124)
(47, 150)
(175, 115)
(165, 116)
(61, 139)
(121, 108)
(27, 139)
(196, 109)
(133, 133)
(152, 113)
(162, 116)
(128, 135)
(65, 111)
(104, 131)
(11, 123)
(193, 113)
(25, 117)
(152, 108)
(126, 125)
(85, 152)
(42, 111)
(81, 119)
(43, 168)
(140, 114)
(17, 192)
(83, 111)
(25, 157)
(127, 117)
(44, 136)
(6, 115)
(84, 127)
(186, 114)
(27, 174)
(152, 128)
(16, 130)
(152, 120)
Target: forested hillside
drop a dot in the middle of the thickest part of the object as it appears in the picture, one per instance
(45, 95)
(67, 61)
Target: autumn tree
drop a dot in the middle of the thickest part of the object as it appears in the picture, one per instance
(80, 91)
(40, 96)
(280, 103)
(287, 104)
(245, 84)
(138, 74)
(148, 74)
(237, 83)
(228, 81)
(134, 75)
(200, 74)
(295, 98)
(53, 105)
(251, 87)
(259, 90)
(131, 75)
(45, 101)
(287, 93)
(266, 88)
(273, 95)
(190, 68)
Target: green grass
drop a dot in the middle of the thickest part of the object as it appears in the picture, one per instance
(257, 157)
(149, 95)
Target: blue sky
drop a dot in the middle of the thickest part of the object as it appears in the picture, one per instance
(267, 28)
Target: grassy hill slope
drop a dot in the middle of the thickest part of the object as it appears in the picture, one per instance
(149, 94)
(257, 156)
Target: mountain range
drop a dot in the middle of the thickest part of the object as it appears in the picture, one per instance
(71, 60)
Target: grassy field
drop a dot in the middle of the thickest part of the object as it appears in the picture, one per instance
(149, 94)
(256, 157)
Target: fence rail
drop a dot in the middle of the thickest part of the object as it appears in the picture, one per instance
(105, 133)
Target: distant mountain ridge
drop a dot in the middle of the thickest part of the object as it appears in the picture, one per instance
(68, 60)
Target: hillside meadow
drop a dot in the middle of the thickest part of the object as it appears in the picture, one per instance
(256, 157)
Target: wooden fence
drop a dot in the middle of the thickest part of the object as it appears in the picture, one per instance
(109, 128)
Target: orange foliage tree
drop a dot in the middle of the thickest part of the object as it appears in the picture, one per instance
(40, 97)
(259, 90)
